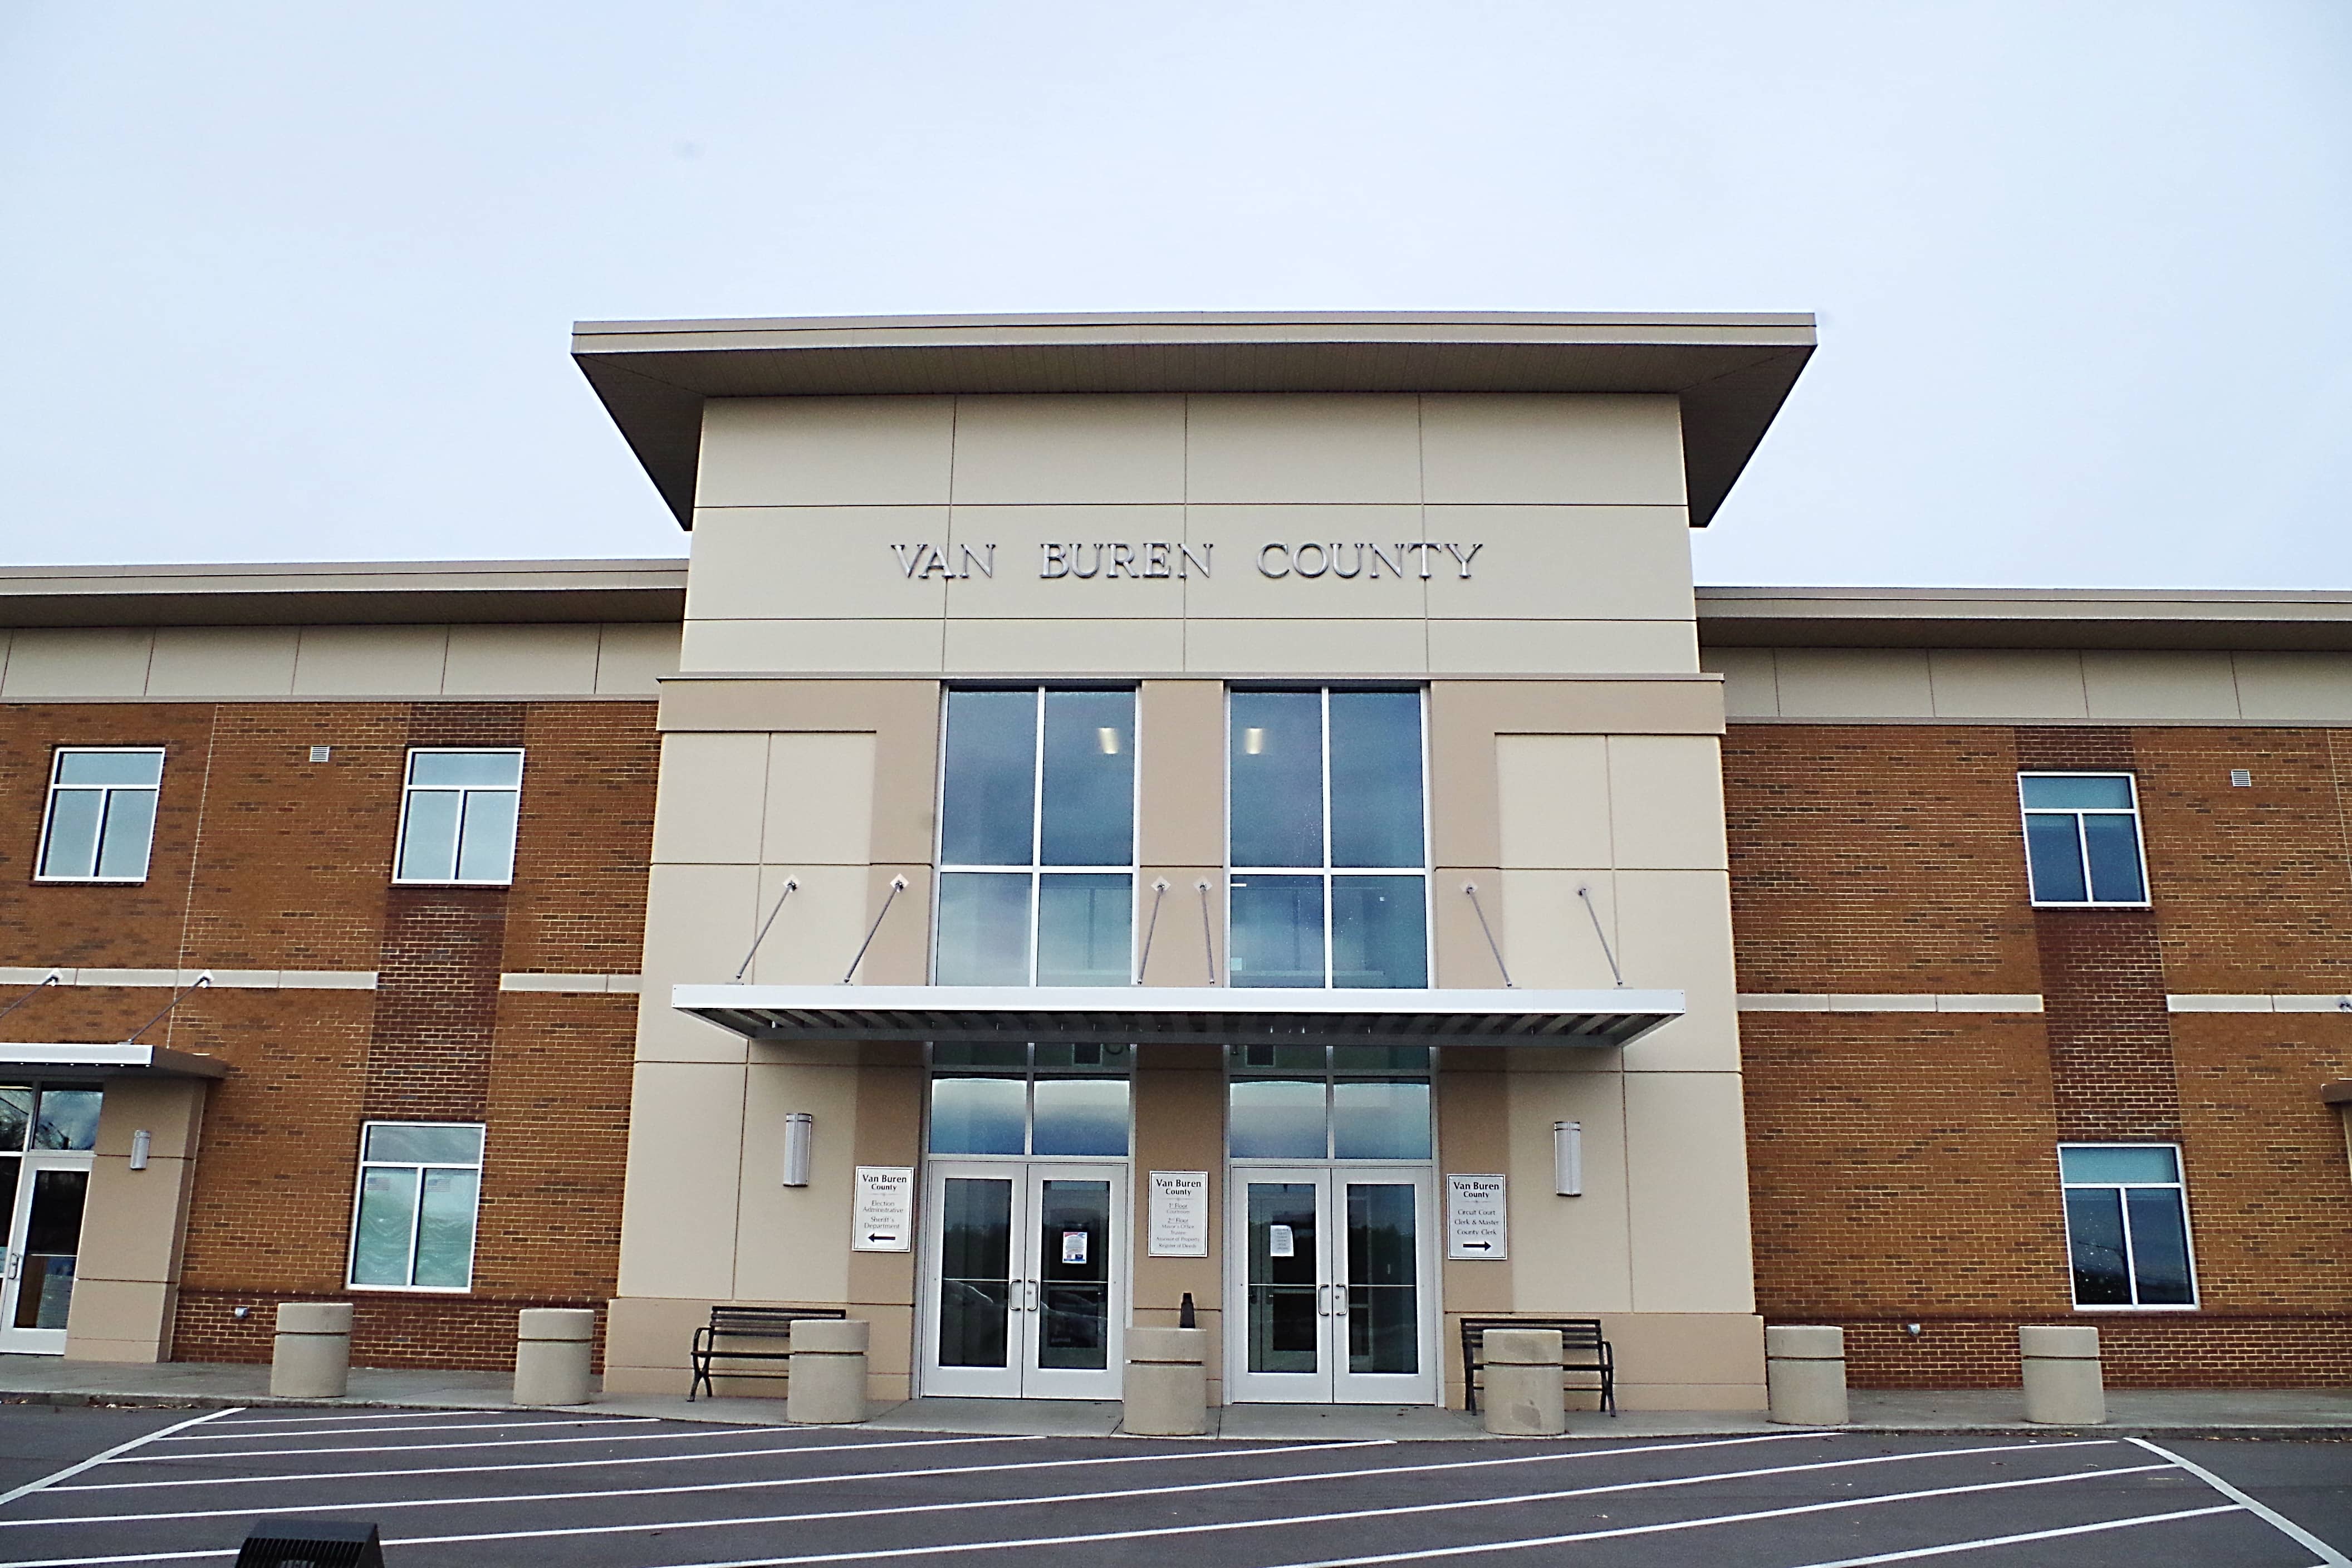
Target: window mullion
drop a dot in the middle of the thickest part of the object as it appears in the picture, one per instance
(2131, 1259)
(1328, 955)
(2083, 856)
(416, 1223)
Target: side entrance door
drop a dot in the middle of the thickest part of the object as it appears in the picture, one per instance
(1025, 1279)
(44, 1213)
(1329, 1293)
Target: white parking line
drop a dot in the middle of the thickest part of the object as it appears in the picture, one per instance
(539, 1464)
(352, 1415)
(1918, 1551)
(744, 1487)
(2328, 1556)
(434, 1447)
(460, 1427)
(29, 1488)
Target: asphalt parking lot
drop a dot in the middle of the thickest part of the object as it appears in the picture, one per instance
(487, 1488)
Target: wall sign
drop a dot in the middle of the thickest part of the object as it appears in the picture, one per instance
(1180, 1213)
(1145, 559)
(882, 1218)
(1477, 1218)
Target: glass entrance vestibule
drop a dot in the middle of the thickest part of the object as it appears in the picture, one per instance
(49, 1133)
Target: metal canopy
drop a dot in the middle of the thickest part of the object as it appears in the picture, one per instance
(1180, 1015)
(114, 1059)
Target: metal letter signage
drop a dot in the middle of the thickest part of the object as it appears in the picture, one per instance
(1099, 561)
(1180, 1213)
(1478, 1217)
(882, 1219)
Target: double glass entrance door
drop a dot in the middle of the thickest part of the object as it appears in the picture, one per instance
(1329, 1301)
(1028, 1288)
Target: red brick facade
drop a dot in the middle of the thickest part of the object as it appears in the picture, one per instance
(1903, 1166)
(264, 859)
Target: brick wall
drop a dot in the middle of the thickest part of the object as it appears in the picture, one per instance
(266, 860)
(1903, 1166)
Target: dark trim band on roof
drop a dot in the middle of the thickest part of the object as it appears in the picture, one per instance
(1180, 1015)
(107, 1061)
(1731, 372)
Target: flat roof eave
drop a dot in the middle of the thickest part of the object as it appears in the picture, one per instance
(1733, 372)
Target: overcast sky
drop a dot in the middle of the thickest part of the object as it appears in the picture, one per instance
(294, 282)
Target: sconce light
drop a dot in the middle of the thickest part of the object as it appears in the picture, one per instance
(1568, 1159)
(142, 1142)
(800, 1142)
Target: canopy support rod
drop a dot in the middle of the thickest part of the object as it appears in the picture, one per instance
(1158, 891)
(51, 978)
(1208, 932)
(1586, 894)
(1470, 888)
(202, 981)
(791, 884)
(897, 886)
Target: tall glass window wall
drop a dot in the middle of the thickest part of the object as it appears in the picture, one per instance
(1328, 839)
(1036, 838)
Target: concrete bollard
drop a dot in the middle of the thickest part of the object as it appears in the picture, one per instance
(2063, 1386)
(1166, 1388)
(553, 1350)
(1804, 1375)
(828, 1380)
(312, 1356)
(1522, 1396)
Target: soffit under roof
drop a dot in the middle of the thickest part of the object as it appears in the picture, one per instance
(1732, 372)
(383, 592)
(2249, 620)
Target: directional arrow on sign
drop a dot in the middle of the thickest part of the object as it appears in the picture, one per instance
(1477, 1246)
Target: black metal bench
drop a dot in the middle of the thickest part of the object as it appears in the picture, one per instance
(718, 1339)
(1582, 1350)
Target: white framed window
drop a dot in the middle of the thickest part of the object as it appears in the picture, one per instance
(1326, 839)
(1042, 1100)
(413, 1217)
(1036, 875)
(458, 815)
(2082, 840)
(2127, 1225)
(100, 821)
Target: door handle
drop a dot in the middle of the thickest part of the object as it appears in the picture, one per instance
(1032, 1304)
(1323, 1300)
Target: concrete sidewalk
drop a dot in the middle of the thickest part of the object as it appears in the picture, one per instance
(2314, 1413)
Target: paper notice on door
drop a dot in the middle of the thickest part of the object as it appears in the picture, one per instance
(1278, 1243)
(1074, 1246)
(1180, 1213)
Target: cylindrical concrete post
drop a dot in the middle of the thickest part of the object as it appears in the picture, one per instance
(1166, 1388)
(552, 1352)
(1804, 1374)
(2063, 1386)
(312, 1356)
(828, 1380)
(1522, 1396)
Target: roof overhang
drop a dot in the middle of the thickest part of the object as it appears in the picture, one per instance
(2337, 1093)
(109, 1060)
(1214, 1014)
(375, 592)
(1731, 372)
(2245, 619)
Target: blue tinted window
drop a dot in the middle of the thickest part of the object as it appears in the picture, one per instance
(1083, 925)
(1080, 1116)
(1374, 1120)
(979, 1115)
(2076, 792)
(983, 929)
(1276, 1118)
(2140, 1162)
(1277, 930)
(1277, 751)
(2112, 844)
(1376, 778)
(1089, 815)
(2053, 854)
(2094, 1242)
(986, 806)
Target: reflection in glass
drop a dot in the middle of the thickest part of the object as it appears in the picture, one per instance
(45, 1281)
(69, 1118)
(1277, 930)
(15, 1115)
(425, 1145)
(1380, 934)
(1084, 922)
(130, 829)
(72, 847)
(1384, 1313)
(1282, 1058)
(428, 841)
(975, 1271)
(138, 770)
(986, 808)
(486, 849)
(2077, 791)
(2112, 845)
(445, 1229)
(1079, 1116)
(2159, 1248)
(2095, 1238)
(1379, 1058)
(1376, 779)
(1376, 1120)
(979, 1054)
(1274, 1119)
(387, 1222)
(983, 929)
(1081, 1053)
(1074, 1275)
(1089, 815)
(2120, 1163)
(1275, 751)
(979, 1115)
(475, 770)
(2054, 853)
(1283, 1326)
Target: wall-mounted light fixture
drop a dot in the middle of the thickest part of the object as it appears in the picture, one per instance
(800, 1145)
(141, 1142)
(1568, 1159)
